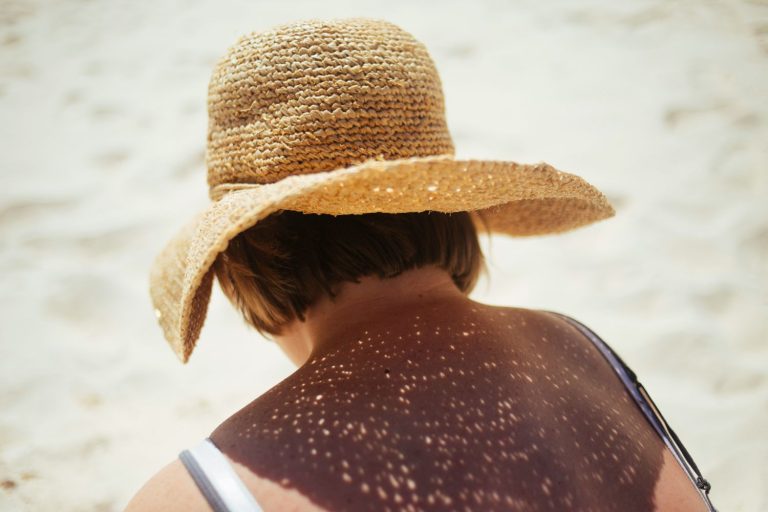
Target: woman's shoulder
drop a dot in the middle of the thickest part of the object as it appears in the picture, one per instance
(172, 489)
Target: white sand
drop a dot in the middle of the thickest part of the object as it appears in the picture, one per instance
(663, 105)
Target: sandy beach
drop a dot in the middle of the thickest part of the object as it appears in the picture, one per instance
(662, 105)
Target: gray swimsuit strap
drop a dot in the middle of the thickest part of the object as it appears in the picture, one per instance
(216, 479)
(649, 409)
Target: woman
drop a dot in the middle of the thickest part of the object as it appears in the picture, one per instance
(342, 227)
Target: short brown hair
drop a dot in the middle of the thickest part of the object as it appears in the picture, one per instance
(275, 270)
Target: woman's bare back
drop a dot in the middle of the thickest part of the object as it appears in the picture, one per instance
(449, 408)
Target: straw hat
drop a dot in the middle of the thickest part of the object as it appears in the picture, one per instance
(342, 116)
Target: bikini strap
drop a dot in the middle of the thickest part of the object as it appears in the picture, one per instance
(217, 480)
(647, 406)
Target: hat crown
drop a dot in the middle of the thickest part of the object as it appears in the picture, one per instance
(316, 95)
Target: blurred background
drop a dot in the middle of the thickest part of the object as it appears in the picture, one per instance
(663, 105)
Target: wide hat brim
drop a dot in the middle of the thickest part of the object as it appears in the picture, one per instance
(514, 199)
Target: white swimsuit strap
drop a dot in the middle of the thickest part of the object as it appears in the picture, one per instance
(217, 480)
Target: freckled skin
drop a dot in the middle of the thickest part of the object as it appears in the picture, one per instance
(453, 407)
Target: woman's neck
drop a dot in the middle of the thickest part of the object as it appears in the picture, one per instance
(330, 323)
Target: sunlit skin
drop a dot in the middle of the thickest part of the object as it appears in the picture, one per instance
(411, 396)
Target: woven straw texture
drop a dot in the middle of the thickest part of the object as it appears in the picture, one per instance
(340, 117)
